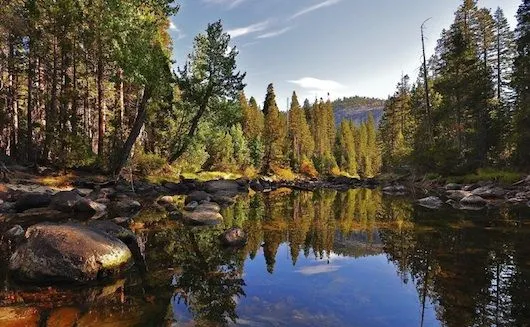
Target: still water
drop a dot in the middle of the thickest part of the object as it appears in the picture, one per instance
(328, 258)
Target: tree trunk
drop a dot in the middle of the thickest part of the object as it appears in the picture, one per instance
(101, 109)
(135, 131)
(194, 125)
(31, 77)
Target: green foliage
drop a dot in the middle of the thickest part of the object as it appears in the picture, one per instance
(147, 163)
(274, 133)
(488, 174)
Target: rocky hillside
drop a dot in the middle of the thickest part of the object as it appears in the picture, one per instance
(357, 109)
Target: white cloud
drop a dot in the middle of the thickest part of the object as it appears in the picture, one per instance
(316, 84)
(315, 270)
(230, 3)
(178, 31)
(307, 10)
(258, 27)
(274, 33)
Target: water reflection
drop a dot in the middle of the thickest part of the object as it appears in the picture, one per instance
(318, 259)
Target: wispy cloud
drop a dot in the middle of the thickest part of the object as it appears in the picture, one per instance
(258, 27)
(307, 10)
(274, 33)
(178, 31)
(230, 3)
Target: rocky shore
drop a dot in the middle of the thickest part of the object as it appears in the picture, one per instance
(82, 234)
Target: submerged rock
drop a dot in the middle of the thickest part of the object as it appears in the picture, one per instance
(395, 189)
(68, 253)
(234, 237)
(202, 218)
(431, 202)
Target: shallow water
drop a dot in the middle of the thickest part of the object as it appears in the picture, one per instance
(356, 258)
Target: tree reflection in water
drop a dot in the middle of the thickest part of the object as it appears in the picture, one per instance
(474, 268)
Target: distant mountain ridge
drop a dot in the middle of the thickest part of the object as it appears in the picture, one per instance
(357, 108)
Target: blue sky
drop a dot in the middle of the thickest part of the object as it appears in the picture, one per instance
(344, 47)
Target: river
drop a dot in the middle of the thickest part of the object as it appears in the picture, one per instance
(355, 258)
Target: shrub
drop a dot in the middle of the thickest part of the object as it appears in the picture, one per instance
(308, 169)
(147, 163)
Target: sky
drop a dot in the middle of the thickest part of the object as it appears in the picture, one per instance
(316, 47)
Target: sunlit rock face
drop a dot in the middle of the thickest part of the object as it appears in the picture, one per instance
(68, 253)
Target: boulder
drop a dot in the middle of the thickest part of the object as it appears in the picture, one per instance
(198, 196)
(89, 206)
(233, 186)
(165, 200)
(223, 200)
(431, 202)
(176, 187)
(201, 218)
(32, 200)
(233, 237)
(489, 192)
(457, 195)
(65, 201)
(453, 187)
(473, 202)
(39, 215)
(395, 189)
(256, 186)
(69, 253)
(191, 206)
(7, 207)
(208, 206)
(124, 206)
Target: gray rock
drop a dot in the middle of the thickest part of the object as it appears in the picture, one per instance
(198, 196)
(453, 187)
(7, 207)
(432, 202)
(457, 195)
(39, 215)
(32, 200)
(395, 189)
(201, 218)
(97, 209)
(191, 206)
(208, 206)
(225, 185)
(65, 201)
(14, 232)
(223, 200)
(69, 253)
(473, 202)
(256, 186)
(166, 200)
(84, 191)
(233, 237)
(124, 206)
(489, 192)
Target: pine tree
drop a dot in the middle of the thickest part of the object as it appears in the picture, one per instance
(300, 138)
(274, 133)
(522, 87)
(345, 151)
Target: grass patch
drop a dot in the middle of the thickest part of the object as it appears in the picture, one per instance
(487, 174)
(57, 181)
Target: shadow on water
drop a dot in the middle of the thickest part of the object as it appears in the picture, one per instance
(313, 259)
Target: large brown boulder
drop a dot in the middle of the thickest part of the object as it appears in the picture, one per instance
(68, 253)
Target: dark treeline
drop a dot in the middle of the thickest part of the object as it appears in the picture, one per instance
(77, 77)
(85, 83)
(473, 109)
